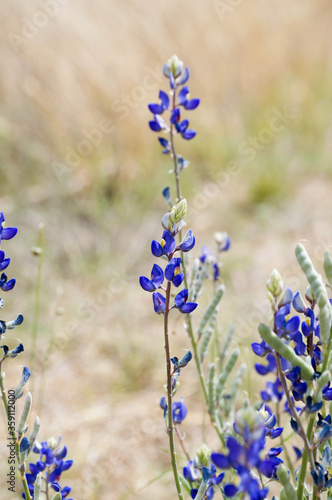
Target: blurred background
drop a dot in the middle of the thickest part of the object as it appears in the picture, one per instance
(77, 155)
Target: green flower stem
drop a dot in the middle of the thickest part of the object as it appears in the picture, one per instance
(303, 470)
(21, 467)
(170, 429)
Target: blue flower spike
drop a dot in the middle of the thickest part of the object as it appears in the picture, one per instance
(157, 278)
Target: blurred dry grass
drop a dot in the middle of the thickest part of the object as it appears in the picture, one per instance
(95, 61)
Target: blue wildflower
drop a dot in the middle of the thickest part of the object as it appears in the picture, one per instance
(165, 247)
(4, 263)
(250, 426)
(6, 284)
(157, 124)
(157, 278)
(159, 303)
(179, 409)
(188, 242)
(6, 233)
(165, 144)
(185, 102)
(14, 352)
(158, 109)
(51, 462)
(173, 273)
(181, 303)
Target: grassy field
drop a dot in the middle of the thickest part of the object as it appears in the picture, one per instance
(77, 155)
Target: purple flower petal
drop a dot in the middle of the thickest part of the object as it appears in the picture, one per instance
(192, 104)
(159, 303)
(188, 243)
(181, 298)
(146, 284)
(188, 307)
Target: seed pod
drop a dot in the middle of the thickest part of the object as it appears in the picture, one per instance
(25, 413)
(33, 435)
(37, 487)
(227, 370)
(285, 351)
(315, 279)
(325, 318)
(205, 344)
(211, 308)
(284, 479)
(328, 267)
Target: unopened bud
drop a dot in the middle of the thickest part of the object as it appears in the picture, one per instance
(202, 458)
(275, 284)
(180, 210)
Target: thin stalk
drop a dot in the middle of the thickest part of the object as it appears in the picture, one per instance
(170, 429)
(41, 249)
(183, 446)
(21, 467)
(294, 412)
(303, 470)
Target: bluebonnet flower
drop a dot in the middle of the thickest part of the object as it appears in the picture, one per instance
(173, 273)
(52, 463)
(188, 242)
(181, 126)
(14, 352)
(214, 479)
(273, 391)
(158, 109)
(159, 303)
(178, 75)
(270, 367)
(250, 426)
(9, 325)
(322, 476)
(165, 247)
(323, 430)
(182, 362)
(179, 409)
(158, 124)
(223, 241)
(184, 101)
(165, 144)
(6, 233)
(6, 284)
(157, 278)
(180, 302)
(4, 263)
